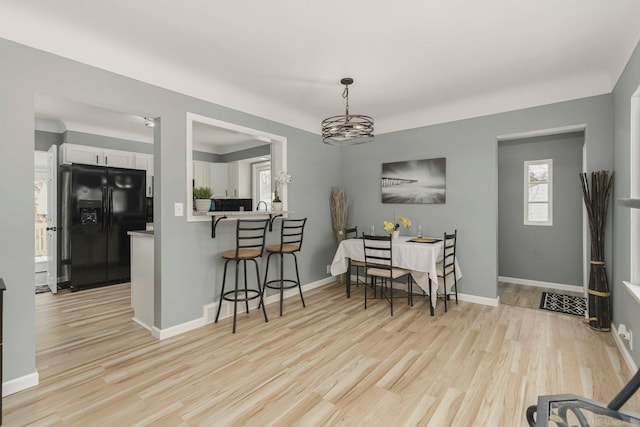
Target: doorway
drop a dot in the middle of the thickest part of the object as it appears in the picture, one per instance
(548, 255)
(45, 220)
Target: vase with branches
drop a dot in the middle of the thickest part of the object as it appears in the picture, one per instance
(596, 201)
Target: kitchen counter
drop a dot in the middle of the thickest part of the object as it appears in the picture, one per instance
(141, 233)
(217, 216)
(142, 277)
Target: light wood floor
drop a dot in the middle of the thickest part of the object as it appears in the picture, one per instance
(525, 296)
(332, 363)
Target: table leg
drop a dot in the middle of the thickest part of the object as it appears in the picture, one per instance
(348, 278)
(431, 298)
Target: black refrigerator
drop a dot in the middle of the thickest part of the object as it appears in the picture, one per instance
(100, 205)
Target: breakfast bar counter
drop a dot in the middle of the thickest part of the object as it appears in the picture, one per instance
(142, 277)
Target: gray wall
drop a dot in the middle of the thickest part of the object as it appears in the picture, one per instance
(206, 157)
(187, 260)
(263, 150)
(100, 141)
(471, 149)
(625, 308)
(542, 253)
(44, 140)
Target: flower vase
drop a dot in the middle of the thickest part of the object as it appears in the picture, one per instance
(276, 206)
(395, 234)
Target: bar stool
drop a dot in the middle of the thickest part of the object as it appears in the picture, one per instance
(250, 235)
(290, 243)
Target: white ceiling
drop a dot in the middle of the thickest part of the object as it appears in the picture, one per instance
(415, 62)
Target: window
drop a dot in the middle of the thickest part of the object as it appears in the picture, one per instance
(538, 192)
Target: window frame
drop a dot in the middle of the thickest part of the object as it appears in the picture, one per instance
(549, 202)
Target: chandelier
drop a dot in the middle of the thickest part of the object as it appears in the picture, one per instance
(349, 129)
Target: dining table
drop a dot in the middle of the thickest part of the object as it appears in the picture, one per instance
(420, 256)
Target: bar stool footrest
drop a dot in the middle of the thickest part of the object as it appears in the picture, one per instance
(293, 284)
(250, 294)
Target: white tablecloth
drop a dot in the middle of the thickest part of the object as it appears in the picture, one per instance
(420, 258)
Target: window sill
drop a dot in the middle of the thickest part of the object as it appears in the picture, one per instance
(633, 289)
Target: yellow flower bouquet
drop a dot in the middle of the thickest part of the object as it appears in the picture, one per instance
(390, 226)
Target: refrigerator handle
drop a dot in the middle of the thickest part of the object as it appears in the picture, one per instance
(110, 208)
(104, 207)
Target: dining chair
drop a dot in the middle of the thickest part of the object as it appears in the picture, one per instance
(291, 234)
(378, 258)
(352, 233)
(446, 268)
(250, 236)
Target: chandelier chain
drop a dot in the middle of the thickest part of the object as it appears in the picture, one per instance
(345, 95)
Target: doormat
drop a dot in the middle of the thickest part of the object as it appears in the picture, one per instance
(41, 289)
(567, 304)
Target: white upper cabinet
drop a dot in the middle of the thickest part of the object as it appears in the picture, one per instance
(118, 159)
(232, 186)
(220, 180)
(201, 174)
(72, 153)
(145, 162)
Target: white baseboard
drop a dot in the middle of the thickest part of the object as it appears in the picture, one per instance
(623, 350)
(539, 284)
(144, 325)
(493, 302)
(209, 311)
(172, 331)
(19, 384)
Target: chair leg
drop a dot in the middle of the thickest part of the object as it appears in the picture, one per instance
(266, 276)
(295, 259)
(260, 291)
(281, 282)
(365, 293)
(235, 299)
(224, 279)
(246, 289)
(391, 294)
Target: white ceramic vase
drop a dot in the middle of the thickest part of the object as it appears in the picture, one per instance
(203, 205)
(395, 234)
(276, 206)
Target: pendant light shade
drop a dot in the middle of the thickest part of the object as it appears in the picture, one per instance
(349, 129)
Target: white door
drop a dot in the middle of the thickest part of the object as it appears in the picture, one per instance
(52, 219)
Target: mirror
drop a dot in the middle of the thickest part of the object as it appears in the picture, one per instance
(225, 157)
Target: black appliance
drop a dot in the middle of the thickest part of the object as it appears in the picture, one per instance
(102, 205)
(149, 210)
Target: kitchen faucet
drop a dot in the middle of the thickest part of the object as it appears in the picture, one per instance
(258, 206)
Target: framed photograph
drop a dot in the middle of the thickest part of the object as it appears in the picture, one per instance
(414, 181)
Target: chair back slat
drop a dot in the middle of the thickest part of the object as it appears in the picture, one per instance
(292, 232)
(250, 234)
(378, 251)
(449, 247)
(351, 233)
